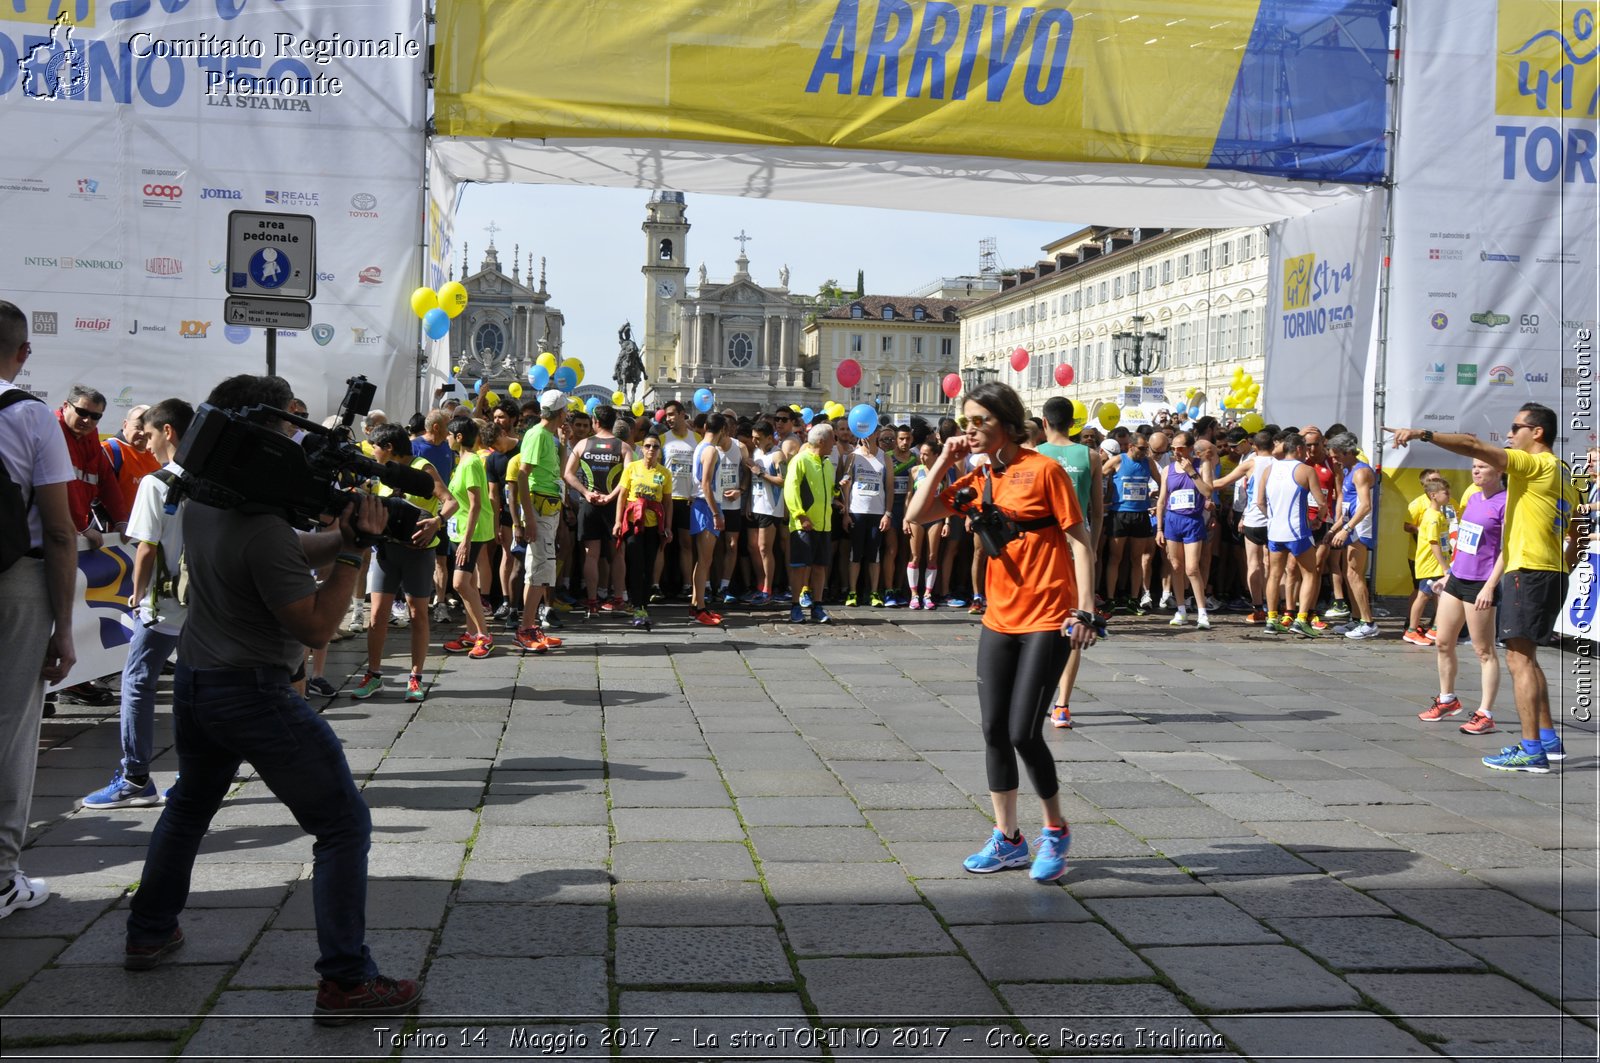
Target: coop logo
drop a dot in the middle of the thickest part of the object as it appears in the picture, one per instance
(1441, 254)
(1466, 374)
(1546, 74)
(1433, 373)
(193, 330)
(91, 324)
(364, 337)
(370, 275)
(293, 198)
(1439, 321)
(363, 205)
(153, 194)
(45, 322)
(221, 193)
(163, 267)
(1490, 319)
(1502, 376)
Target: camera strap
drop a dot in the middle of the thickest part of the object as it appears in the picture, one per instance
(1037, 524)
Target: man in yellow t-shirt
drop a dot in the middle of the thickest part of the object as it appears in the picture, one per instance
(1539, 499)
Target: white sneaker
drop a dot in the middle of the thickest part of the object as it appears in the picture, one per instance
(1203, 622)
(1166, 600)
(1362, 631)
(358, 617)
(399, 615)
(1144, 601)
(22, 892)
(1178, 619)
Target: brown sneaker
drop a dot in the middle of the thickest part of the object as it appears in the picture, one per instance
(147, 957)
(337, 1005)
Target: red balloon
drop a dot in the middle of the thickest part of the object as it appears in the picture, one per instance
(660, 414)
(1019, 359)
(1063, 374)
(952, 385)
(849, 373)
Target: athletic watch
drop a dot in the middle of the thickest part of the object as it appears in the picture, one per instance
(1083, 615)
(1427, 435)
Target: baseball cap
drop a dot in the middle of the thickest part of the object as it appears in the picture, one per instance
(552, 402)
(1111, 446)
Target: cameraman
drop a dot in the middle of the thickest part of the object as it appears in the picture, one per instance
(253, 607)
(1041, 607)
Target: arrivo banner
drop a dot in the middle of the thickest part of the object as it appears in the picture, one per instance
(131, 133)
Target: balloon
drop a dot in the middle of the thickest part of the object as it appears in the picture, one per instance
(806, 414)
(478, 387)
(1063, 374)
(1180, 410)
(491, 398)
(1110, 417)
(452, 298)
(863, 420)
(592, 405)
(436, 324)
(661, 415)
(1019, 359)
(515, 389)
(704, 400)
(456, 370)
(423, 300)
(539, 377)
(618, 399)
(952, 385)
(794, 407)
(849, 373)
(575, 365)
(565, 379)
(1252, 422)
(575, 404)
(1080, 415)
(638, 408)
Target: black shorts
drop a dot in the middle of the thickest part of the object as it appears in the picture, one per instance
(766, 520)
(1254, 535)
(810, 548)
(680, 517)
(732, 521)
(1231, 535)
(1467, 590)
(866, 539)
(596, 523)
(1529, 604)
(472, 556)
(1132, 525)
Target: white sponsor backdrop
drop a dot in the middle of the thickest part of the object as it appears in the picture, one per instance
(102, 624)
(117, 183)
(1322, 312)
(1494, 251)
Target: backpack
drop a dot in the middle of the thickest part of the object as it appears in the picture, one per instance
(169, 584)
(16, 541)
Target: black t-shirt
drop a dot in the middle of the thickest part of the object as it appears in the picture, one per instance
(496, 464)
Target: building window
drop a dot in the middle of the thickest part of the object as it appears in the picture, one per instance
(1103, 291)
(741, 350)
(1247, 333)
(856, 311)
(1116, 288)
(888, 312)
(1185, 266)
(1225, 254)
(947, 346)
(1205, 260)
(664, 250)
(490, 338)
(1184, 353)
(918, 313)
(1133, 283)
(1088, 296)
(855, 343)
(1077, 300)
(916, 344)
(916, 390)
(1149, 276)
(886, 344)
(1166, 272)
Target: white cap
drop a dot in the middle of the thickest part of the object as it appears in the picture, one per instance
(552, 401)
(1111, 446)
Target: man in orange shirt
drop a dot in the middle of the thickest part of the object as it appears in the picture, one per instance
(129, 455)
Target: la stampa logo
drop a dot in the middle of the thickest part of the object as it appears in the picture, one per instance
(54, 69)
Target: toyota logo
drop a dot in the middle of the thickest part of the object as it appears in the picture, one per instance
(164, 191)
(363, 201)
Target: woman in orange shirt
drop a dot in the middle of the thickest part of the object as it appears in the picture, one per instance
(1041, 606)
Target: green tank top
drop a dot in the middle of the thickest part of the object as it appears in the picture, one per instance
(1074, 458)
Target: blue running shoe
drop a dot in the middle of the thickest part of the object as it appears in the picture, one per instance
(797, 615)
(1001, 853)
(820, 615)
(784, 597)
(1554, 750)
(729, 598)
(956, 602)
(1515, 758)
(1050, 859)
(120, 793)
(805, 600)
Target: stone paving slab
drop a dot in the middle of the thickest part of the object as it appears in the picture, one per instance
(1086, 1019)
(1082, 952)
(516, 987)
(702, 955)
(1362, 943)
(1299, 1037)
(1477, 1015)
(211, 935)
(863, 929)
(1180, 921)
(932, 987)
(79, 1002)
(1251, 977)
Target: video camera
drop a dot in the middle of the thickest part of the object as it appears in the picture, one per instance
(240, 459)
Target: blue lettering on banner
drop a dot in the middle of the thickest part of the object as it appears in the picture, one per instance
(1046, 34)
(1547, 153)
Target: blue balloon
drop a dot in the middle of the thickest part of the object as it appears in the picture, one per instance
(806, 415)
(478, 387)
(436, 323)
(565, 379)
(703, 400)
(863, 420)
(592, 405)
(1180, 410)
(539, 376)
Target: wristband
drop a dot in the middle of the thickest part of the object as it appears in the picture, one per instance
(353, 560)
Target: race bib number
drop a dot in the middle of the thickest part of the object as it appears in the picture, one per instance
(1182, 499)
(869, 488)
(728, 478)
(1135, 491)
(902, 483)
(679, 466)
(1468, 536)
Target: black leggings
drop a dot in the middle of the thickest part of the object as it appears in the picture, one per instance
(641, 547)
(1017, 676)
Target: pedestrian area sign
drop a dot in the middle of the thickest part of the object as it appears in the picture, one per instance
(272, 255)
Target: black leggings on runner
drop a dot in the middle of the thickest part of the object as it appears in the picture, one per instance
(1017, 676)
(642, 547)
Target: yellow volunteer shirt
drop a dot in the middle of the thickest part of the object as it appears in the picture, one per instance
(1434, 527)
(1539, 499)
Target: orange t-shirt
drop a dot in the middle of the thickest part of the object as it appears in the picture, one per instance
(1032, 586)
(131, 465)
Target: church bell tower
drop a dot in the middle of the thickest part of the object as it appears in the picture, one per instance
(665, 269)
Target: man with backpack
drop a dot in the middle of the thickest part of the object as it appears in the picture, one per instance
(158, 608)
(38, 572)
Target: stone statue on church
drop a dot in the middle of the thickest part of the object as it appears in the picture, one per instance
(704, 278)
(629, 371)
(783, 276)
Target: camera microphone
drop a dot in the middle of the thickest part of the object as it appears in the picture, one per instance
(405, 479)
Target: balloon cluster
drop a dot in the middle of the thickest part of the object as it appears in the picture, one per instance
(1245, 393)
(1188, 407)
(438, 308)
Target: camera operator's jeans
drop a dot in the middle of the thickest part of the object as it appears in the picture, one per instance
(148, 653)
(222, 717)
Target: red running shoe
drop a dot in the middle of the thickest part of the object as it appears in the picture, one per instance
(707, 617)
(1440, 709)
(462, 643)
(338, 1005)
(1479, 723)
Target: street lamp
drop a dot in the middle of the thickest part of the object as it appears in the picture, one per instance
(1138, 353)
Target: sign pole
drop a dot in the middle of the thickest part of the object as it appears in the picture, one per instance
(272, 352)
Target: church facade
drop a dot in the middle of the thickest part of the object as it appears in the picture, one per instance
(507, 323)
(742, 339)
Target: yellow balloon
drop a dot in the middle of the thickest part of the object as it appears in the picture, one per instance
(638, 408)
(515, 389)
(1252, 422)
(618, 399)
(795, 408)
(576, 366)
(491, 398)
(455, 370)
(548, 362)
(575, 403)
(423, 300)
(1110, 417)
(453, 298)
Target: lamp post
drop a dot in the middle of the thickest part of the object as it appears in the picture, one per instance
(1138, 353)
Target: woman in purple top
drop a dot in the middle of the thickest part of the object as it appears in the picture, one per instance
(1468, 595)
(1181, 526)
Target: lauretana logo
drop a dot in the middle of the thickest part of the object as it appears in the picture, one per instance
(1502, 376)
(163, 266)
(193, 330)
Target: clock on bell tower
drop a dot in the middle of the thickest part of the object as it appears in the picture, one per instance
(665, 269)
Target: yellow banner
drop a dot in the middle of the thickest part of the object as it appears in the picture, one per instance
(1121, 81)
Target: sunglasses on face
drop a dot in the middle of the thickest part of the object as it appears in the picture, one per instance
(90, 414)
(1515, 426)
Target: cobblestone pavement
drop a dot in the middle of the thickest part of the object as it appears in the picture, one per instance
(747, 843)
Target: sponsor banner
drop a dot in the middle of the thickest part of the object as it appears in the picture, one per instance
(102, 625)
(133, 129)
(1493, 286)
(1289, 88)
(1580, 613)
(444, 198)
(1321, 314)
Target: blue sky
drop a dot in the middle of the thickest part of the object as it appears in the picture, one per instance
(592, 240)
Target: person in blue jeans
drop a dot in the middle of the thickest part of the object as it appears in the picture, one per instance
(157, 615)
(253, 608)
